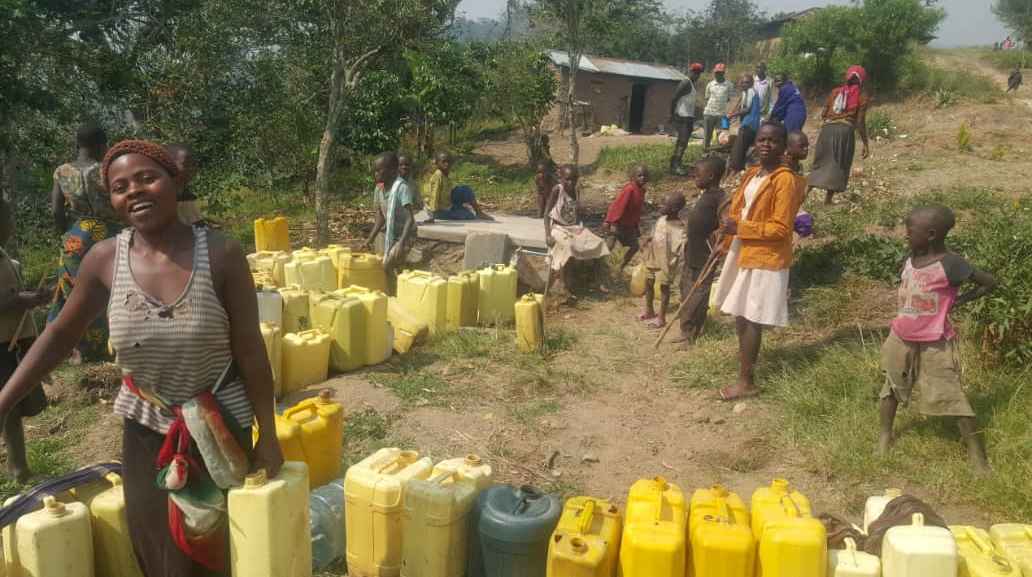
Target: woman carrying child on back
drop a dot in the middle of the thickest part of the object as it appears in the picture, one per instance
(754, 281)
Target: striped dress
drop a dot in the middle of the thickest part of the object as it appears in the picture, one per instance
(174, 351)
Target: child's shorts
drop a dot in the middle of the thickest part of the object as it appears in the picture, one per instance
(931, 366)
(657, 274)
(628, 237)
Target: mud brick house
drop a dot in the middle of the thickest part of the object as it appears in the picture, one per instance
(632, 95)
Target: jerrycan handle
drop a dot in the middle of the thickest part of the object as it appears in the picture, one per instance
(528, 494)
(440, 479)
(798, 513)
(986, 548)
(661, 486)
(917, 519)
(851, 549)
(587, 513)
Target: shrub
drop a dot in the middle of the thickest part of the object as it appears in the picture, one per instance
(964, 138)
(1006, 60)
(879, 123)
(946, 86)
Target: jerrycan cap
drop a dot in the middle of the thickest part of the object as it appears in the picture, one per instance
(661, 482)
(257, 479)
(473, 460)
(578, 545)
(780, 486)
(53, 506)
(720, 490)
(325, 397)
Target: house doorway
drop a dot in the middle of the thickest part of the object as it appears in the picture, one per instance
(637, 105)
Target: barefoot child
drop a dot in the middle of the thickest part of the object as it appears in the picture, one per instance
(754, 281)
(544, 182)
(566, 236)
(624, 215)
(395, 214)
(703, 220)
(663, 258)
(921, 347)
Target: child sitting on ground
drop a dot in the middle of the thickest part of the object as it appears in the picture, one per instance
(663, 258)
(565, 233)
(921, 347)
(624, 215)
(544, 182)
(448, 203)
(701, 223)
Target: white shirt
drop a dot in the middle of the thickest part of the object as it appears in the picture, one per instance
(718, 96)
(762, 88)
(686, 104)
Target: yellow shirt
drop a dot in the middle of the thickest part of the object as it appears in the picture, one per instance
(438, 192)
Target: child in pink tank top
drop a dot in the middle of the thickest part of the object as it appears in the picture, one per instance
(920, 350)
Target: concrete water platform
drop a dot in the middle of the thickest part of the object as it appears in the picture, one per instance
(523, 231)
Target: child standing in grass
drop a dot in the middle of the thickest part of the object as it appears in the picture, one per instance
(663, 258)
(624, 215)
(921, 347)
(702, 222)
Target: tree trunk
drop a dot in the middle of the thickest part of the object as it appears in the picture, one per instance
(571, 92)
(328, 156)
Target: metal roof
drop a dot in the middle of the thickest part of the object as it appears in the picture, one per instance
(630, 68)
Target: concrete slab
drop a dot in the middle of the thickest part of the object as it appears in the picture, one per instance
(523, 231)
(485, 249)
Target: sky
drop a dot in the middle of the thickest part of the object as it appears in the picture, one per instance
(968, 22)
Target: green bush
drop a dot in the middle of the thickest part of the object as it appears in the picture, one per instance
(1006, 60)
(946, 86)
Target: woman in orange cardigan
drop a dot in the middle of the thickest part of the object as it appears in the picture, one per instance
(754, 282)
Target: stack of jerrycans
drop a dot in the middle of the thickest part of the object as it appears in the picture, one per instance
(1015, 540)
(310, 270)
(978, 557)
(721, 542)
(792, 542)
(918, 550)
(655, 528)
(463, 293)
(435, 528)
(271, 234)
(374, 494)
(425, 295)
(497, 299)
(587, 541)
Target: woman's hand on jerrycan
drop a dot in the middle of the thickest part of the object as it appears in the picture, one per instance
(267, 455)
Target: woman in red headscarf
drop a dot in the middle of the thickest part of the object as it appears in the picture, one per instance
(845, 114)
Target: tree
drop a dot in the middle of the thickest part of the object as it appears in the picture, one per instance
(445, 86)
(521, 88)
(1016, 15)
(720, 33)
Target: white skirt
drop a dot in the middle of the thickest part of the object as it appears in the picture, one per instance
(761, 296)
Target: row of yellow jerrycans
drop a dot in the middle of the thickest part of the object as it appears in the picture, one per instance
(324, 270)
(469, 298)
(85, 532)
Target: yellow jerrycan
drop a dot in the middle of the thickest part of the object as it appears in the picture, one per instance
(321, 421)
(653, 543)
(112, 549)
(586, 543)
(56, 541)
(306, 359)
(977, 555)
(344, 319)
(497, 299)
(463, 292)
(377, 345)
(436, 524)
(311, 271)
(793, 547)
(269, 526)
(296, 309)
(918, 550)
(271, 234)
(426, 296)
(273, 338)
(876, 505)
(271, 263)
(336, 252)
(637, 284)
(288, 434)
(775, 502)
(374, 495)
(530, 323)
(361, 269)
(849, 562)
(722, 543)
(408, 330)
(1015, 540)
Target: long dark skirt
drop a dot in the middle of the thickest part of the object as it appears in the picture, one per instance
(833, 161)
(740, 150)
(147, 506)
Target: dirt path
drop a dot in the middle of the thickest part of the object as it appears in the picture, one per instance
(513, 151)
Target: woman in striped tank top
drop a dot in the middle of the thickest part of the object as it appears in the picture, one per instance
(182, 308)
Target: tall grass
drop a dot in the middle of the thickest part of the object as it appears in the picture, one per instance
(947, 86)
(655, 156)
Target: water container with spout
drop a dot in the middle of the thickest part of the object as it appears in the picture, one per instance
(270, 307)
(426, 296)
(344, 319)
(326, 524)
(586, 543)
(374, 492)
(112, 549)
(722, 543)
(361, 269)
(775, 502)
(978, 556)
(655, 530)
(271, 234)
(793, 547)
(322, 435)
(408, 330)
(268, 524)
(435, 541)
(311, 271)
(1015, 541)
(378, 345)
(876, 505)
(497, 299)
(56, 541)
(530, 323)
(296, 310)
(272, 336)
(463, 292)
(850, 562)
(514, 528)
(306, 359)
(918, 550)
